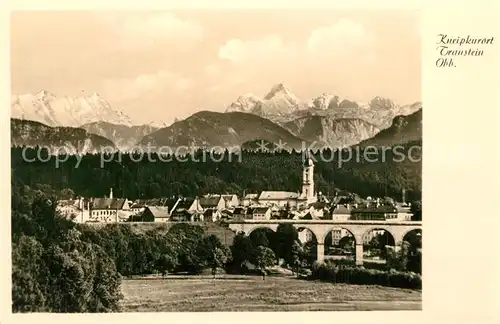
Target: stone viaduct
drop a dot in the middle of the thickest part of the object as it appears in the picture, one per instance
(320, 228)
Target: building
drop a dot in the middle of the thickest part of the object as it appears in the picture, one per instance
(77, 210)
(215, 202)
(211, 215)
(319, 209)
(337, 234)
(259, 213)
(231, 201)
(377, 211)
(340, 212)
(106, 210)
(278, 198)
(287, 199)
(305, 235)
(240, 213)
(368, 237)
(250, 199)
(186, 210)
(157, 214)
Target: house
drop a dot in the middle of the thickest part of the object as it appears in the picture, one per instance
(305, 235)
(240, 213)
(211, 215)
(319, 209)
(157, 214)
(278, 198)
(231, 201)
(259, 213)
(308, 215)
(336, 234)
(368, 237)
(250, 199)
(379, 212)
(340, 212)
(186, 210)
(212, 202)
(106, 209)
(139, 205)
(74, 209)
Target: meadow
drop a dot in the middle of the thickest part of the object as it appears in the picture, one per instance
(251, 293)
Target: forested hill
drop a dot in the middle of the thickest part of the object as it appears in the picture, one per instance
(379, 175)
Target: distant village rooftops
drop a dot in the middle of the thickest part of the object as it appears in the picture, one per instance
(158, 211)
(210, 202)
(108, 203)
(278, 195)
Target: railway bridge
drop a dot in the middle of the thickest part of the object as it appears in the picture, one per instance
(321, 228)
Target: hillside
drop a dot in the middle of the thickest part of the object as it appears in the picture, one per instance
(125, 137)
(226, 130)
(252, 172)
(404, 129)
(330, 132)
(69, 139)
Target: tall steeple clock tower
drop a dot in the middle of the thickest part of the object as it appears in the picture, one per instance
(308, 180)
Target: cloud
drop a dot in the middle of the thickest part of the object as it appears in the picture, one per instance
(340, 39)
(153, 28)
(237, 50)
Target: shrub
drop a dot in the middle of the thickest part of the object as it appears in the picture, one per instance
(362, 276)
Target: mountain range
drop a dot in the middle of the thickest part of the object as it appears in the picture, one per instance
(125, 137)
(404, 129)
(278, 116)
(73, 140)
(46, 108)
(213, 129)
(282, 106)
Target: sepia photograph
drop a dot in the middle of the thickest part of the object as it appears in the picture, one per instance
(220, 160)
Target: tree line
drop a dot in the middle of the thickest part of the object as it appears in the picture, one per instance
(133, 177)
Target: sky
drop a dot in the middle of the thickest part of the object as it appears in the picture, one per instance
(162, 65)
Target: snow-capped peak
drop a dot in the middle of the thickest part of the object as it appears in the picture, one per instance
(48, 109)
(244, 103)
(382, 103)
(43, 94)
(279, 89)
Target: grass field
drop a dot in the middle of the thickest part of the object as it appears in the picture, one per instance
(249, 293)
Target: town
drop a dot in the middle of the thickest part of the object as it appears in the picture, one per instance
(223, 207)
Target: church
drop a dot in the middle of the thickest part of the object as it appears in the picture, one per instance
(294, 200)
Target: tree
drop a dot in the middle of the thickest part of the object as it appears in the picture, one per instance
(215, 254)
(166, 263)
(259, 238)
(241, 249)
(27, 290)
(218, 258)
(416, 210)
(264, 257)
(397, 259)
(347, 242)
(54, 270)
(66, 193)
(297, 257)
(286, 235)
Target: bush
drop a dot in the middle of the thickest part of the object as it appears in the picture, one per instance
(361, 276)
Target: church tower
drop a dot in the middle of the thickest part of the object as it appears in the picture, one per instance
(308, 180)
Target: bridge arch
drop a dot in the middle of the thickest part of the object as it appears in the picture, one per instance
(300, 229)
(408, 231)
(258, 228)
(337, 227)
(391, 236)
